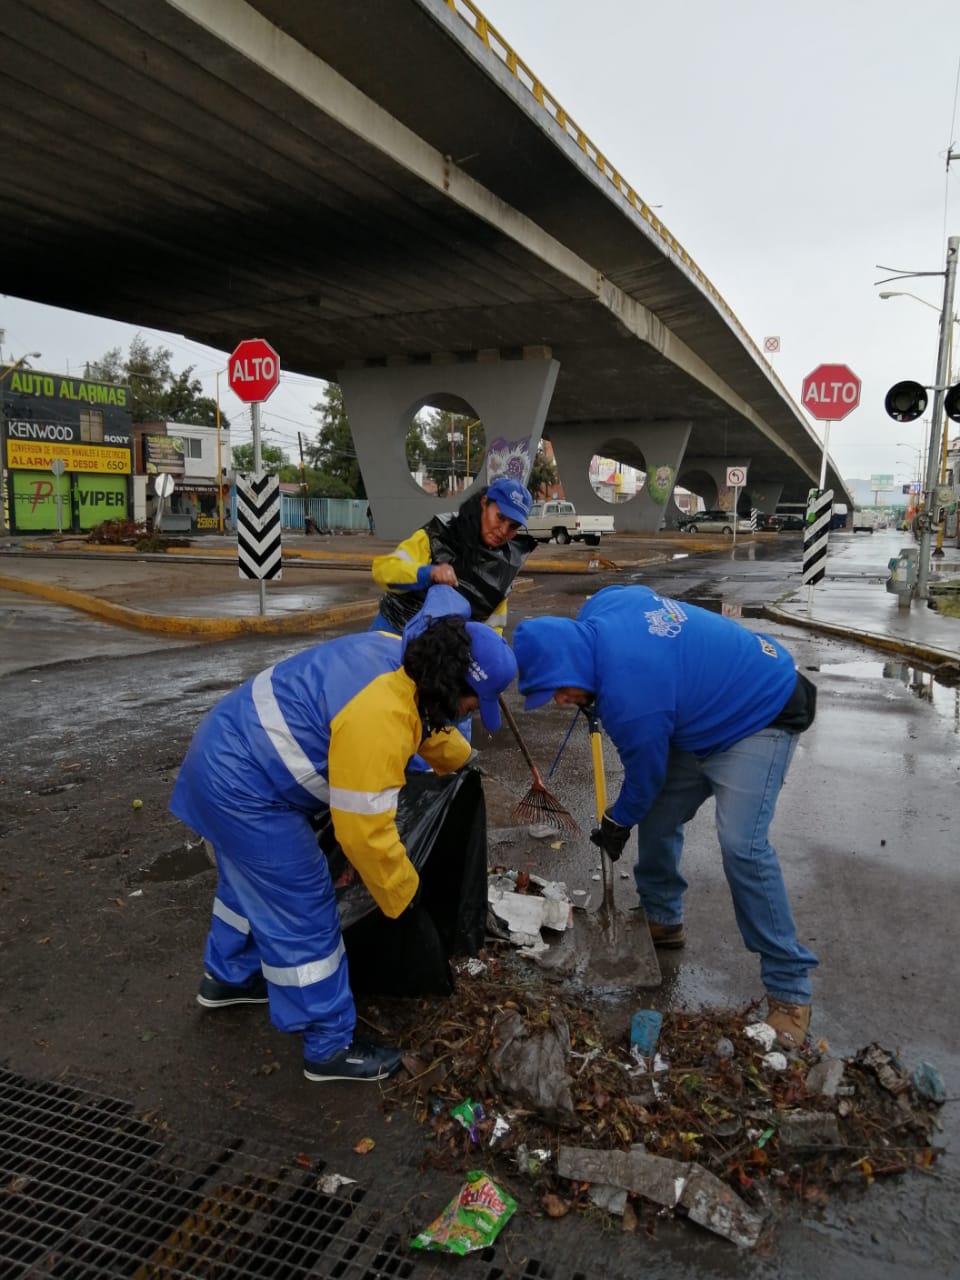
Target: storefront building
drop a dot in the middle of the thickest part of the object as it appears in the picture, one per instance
(66, 438)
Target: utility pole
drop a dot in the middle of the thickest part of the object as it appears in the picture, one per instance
(936, 417)
(303, 483)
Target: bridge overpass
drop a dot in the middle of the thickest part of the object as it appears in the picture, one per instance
(384, 191)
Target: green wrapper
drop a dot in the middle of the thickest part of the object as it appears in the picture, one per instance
(472, 1220)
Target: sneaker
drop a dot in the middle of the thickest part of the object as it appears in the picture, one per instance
(790, 1021)
(668, 936)
(214, 994)
(360, 1060)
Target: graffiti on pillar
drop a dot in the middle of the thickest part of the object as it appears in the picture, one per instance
(509, 458)
(660, 483)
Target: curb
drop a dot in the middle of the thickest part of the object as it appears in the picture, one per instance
(206, 628)
(927, 654)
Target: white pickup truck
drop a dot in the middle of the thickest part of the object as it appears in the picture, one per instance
(556, 519)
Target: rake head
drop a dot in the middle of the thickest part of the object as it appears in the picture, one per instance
(541, 806)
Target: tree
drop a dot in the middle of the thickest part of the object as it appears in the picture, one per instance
(272, 457)
(543, 478)
(157, 393)
(333, 453)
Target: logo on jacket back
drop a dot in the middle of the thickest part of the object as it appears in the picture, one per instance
(668, 620)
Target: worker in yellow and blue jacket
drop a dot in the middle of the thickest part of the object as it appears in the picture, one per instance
(479, 549)
(330, 729)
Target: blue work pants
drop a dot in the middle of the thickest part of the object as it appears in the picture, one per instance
(745, 781)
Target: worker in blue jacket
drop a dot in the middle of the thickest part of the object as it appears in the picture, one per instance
(697, 706)
(330, 729)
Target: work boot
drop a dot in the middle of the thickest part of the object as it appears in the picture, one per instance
(670, 937)
(214, 994)
(360, 1060)
(790, 1021)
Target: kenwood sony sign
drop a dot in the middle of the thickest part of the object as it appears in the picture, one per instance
(65, 439)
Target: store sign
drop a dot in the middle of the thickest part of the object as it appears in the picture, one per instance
(100, 498)
(36, 455)
(163, 453)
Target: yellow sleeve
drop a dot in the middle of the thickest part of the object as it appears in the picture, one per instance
(402, 567)
(498, 619)
(371, 740)
(446, 751)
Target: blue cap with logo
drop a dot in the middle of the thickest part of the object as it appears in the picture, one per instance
(492, 664)
(512, 498)
(492, 669)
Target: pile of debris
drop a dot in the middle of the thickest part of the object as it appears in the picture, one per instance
(710, 1121)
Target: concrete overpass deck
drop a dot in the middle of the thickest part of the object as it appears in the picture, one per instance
(364, 185)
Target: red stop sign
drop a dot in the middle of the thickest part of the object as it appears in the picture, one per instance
(830, 392)
(253, 370)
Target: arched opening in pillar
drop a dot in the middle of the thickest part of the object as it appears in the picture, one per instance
(701, 487)
(445, 445)
(618, 472)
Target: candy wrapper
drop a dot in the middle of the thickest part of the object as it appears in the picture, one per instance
(470, 1114)
(472, 1220)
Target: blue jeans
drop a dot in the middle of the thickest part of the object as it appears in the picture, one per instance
(745, 780)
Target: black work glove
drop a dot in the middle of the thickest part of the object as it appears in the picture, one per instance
(610, 836)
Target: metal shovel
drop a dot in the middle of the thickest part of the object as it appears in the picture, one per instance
(618, 949)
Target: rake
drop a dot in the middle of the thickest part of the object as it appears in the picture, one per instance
(539, 804)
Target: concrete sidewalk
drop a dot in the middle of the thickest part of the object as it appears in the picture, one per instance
(852, 600)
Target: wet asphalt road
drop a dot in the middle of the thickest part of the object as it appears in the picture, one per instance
(866, 830)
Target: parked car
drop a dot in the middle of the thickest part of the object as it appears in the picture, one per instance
(791, 523)
(715, 522)
(558, 519)
(767, 522)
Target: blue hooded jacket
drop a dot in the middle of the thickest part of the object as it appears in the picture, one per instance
(664, 674)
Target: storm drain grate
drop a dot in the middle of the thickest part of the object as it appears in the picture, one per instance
(90, 1190)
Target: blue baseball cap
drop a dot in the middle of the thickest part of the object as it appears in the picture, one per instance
(492, 669)
(512, 499)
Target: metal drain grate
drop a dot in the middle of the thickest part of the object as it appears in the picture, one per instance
(88, 1190)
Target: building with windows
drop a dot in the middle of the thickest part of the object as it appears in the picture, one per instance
(66, 450)
(201, 463)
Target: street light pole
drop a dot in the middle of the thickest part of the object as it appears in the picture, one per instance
(936, 417)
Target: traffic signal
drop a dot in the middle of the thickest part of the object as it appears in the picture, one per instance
(906, 401)
(951, 403)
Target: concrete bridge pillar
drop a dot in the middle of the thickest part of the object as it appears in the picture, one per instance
(764, 496)
(707, 478)
(655, 448)
(510, 397)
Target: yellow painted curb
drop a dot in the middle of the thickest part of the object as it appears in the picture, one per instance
(207, 628)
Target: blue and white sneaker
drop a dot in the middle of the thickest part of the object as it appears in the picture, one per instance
(214, 994)
(360, 1060)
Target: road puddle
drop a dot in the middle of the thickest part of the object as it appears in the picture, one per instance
(177, 864)
(943, 694)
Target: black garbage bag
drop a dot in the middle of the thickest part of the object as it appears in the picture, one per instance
(443, 824)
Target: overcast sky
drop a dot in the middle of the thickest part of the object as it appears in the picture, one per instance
(791, 148)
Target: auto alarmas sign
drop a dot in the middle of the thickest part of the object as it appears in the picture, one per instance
(253, 370)
(830, 392)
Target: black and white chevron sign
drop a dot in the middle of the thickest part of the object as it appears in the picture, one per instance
(258, 526)
(815, 532)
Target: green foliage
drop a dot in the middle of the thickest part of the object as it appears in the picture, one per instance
(157, 393)
(273, 458)
(333, 454)
(444, 449)
(543, 478)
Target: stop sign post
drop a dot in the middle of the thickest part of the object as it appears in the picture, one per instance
(830, 392)
(253, 372)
